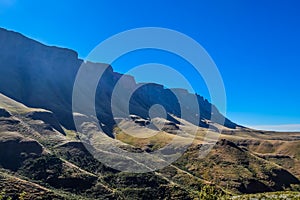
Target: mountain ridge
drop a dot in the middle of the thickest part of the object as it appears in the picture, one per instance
(43, 76)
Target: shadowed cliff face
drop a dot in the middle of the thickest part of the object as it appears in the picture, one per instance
(43, 77)
(37, 75)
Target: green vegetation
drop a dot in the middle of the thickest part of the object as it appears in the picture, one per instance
(42, 168)
(4, 196)
(270, 196)
(208, 192)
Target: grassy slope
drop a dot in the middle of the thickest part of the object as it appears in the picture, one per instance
(231, 167)
(270, 196)
(227, 168)
(15, 107)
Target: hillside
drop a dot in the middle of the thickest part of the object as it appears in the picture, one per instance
(45, 163)
(42, 156)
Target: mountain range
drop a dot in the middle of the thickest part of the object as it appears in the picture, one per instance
(42, 156)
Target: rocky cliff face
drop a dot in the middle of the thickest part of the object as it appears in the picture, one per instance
(37, 75)
(42, 76)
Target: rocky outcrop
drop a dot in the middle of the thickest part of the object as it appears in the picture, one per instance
(14, 148)
(4, 113)
(48, 118)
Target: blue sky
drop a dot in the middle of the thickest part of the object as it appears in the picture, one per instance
(254, 43)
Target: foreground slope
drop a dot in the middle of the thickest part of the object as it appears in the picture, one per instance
(35, 153)
(40, 161)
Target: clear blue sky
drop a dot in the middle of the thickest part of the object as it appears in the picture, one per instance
(255, 43)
